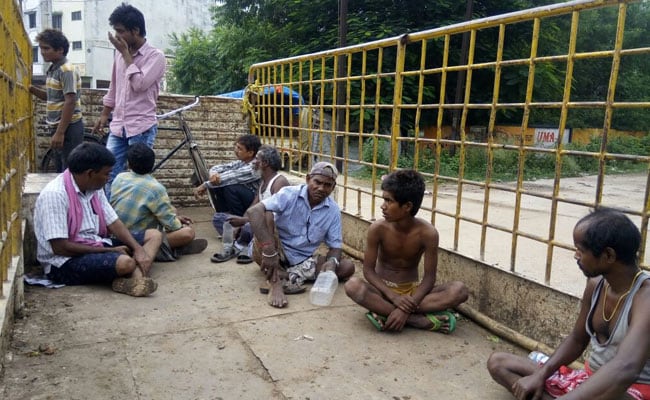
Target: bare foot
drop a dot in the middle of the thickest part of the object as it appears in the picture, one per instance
(424, 321)
(277, 298)
(288, 288)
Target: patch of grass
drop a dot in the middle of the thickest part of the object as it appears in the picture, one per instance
(505, 162)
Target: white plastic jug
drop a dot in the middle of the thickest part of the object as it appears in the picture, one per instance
(227, 236)
(322, 292)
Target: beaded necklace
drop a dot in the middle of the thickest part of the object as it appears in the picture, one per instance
(621, 297)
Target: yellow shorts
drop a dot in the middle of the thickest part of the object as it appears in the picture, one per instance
(407, 288)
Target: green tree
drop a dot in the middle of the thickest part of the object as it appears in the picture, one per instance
(597, 31)
(250, 31)
(193, 69)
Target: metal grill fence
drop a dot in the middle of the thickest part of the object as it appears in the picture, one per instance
(16, 139)
(387, 104)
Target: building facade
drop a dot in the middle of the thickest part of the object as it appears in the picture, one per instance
(85, 24)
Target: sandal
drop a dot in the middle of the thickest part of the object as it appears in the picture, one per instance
(225, 256)
(196, 246)
(244, 259)
(437, 323)
(376, 320)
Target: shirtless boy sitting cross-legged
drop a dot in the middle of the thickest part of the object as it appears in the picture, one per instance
(392, 291)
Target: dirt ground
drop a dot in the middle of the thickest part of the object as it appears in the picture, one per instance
(207, 333)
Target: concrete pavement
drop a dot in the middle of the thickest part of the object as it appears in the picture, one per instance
(207, 333)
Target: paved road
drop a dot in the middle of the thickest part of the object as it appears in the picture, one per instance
(208, 334)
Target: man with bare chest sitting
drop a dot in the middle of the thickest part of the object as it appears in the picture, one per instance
(613, 320)
(393, 291)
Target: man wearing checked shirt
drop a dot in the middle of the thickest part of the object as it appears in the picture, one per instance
(235, 183)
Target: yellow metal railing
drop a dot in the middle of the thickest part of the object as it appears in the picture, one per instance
(521, 225)
(16, 139)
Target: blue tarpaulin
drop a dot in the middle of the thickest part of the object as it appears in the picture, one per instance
(295, 96)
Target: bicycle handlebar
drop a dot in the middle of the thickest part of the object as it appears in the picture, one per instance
(178, 110)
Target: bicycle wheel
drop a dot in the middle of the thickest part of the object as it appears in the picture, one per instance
(201, 173)
(51, 162)
(200, 169)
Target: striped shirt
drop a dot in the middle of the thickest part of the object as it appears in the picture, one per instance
(51, 220)
(236, 172)
(62, 78)
(142, 203)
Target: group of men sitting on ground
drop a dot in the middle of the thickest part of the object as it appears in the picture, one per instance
(290, 223)
(279, 226)
(81, 240)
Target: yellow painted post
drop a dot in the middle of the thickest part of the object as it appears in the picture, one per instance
(418, 111)
(441, 110)
(558, 157)
(397, 100)
(490, 139)
(463, 147)
(520, 146)
(380, 60)
(611, 91)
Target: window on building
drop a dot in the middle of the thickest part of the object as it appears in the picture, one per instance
(102, 84)
(76, 45)
(32, 19)
(76, 15)
(86, 81)
(35, 53)
(57, 21)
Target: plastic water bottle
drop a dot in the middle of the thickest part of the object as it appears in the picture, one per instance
(322, 292)
(227, 236)
(538, 357)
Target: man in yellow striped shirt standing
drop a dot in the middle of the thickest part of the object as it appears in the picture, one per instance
(62, 95)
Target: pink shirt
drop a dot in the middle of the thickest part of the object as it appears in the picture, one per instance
(133, 91)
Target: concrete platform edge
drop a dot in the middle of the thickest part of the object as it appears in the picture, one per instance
(10, 304)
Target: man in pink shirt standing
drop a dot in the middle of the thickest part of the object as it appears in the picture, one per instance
(138, 69)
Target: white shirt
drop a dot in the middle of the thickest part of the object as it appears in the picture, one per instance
(51, 220)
